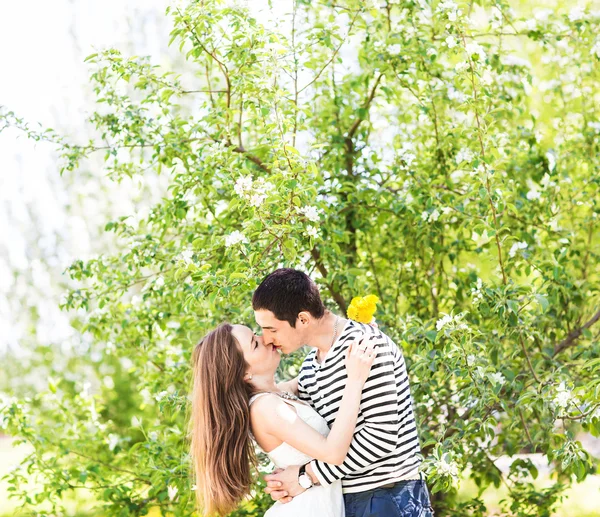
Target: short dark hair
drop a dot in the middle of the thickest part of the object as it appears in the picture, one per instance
(286, 293)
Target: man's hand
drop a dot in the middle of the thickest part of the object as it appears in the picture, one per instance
(283, 485)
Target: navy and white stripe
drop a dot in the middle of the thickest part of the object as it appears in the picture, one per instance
(385, 447)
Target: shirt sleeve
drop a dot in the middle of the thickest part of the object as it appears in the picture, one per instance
(376, 436)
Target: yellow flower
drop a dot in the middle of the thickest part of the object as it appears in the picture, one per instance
(362, 309)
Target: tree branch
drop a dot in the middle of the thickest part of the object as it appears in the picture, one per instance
(332, 57)
(367, 103)
(339, 299)
(574, 334)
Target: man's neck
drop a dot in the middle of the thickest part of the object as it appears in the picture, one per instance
(323, 335)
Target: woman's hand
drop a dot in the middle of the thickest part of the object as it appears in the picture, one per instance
(359, 358)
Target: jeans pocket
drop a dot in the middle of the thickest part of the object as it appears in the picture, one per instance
(412, 509)
(406, 508)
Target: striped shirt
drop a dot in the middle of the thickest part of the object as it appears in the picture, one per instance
(385, 447)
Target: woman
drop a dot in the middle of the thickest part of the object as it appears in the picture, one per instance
(235, 399)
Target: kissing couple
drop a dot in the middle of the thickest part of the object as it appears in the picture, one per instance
(342, 434)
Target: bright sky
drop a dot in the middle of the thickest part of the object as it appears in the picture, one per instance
(46, 221)
(42, 48)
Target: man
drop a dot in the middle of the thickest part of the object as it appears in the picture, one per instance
(380, 476)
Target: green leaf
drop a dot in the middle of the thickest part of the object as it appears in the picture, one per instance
(542, 300)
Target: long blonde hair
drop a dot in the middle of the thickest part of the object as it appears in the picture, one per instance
(221, 445)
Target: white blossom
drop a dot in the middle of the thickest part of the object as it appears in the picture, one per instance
(113, 441)
(257, 199)
(576, 14)
(480, 240)
(456, 95)
(254, 191)
(235, 237)
(478, 171)
(476, 294)
(595, 125)
(563, 396)
(450, 9)
(510, 60)
(243, 185)
(161, 395)
(447, 5)
(461, 66)
(475, 49)
(136, 421)
(551, 160)
(446, 468)
(442, 322)
(542, 15)
(487, 78)
(497, 378)
(464, 155)
(546, 182)
(430, 217)
(172, 490)
(310, 212)
(85, 392)
(312, 231)
(451, 42)
(263, 186)
(516, 247)
(186, 256)
(451, 322)
(395, 49)
(407, 155)
(533, 193)
(596, 49)
(153, 435)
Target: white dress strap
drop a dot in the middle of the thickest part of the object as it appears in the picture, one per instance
(257, 396)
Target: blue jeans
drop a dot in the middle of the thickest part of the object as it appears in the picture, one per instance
(404, 499)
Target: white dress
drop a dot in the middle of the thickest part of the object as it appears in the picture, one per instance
(322, 501)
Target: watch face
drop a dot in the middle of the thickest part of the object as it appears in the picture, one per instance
(305, 481)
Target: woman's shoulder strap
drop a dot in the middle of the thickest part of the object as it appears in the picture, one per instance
(257, 396)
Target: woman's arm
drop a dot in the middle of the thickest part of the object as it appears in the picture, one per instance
(280, 420)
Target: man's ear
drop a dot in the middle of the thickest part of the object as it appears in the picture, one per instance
(304, 317)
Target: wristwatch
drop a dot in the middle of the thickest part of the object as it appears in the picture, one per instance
(304, 479)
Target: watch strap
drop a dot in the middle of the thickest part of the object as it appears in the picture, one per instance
(302, 472)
